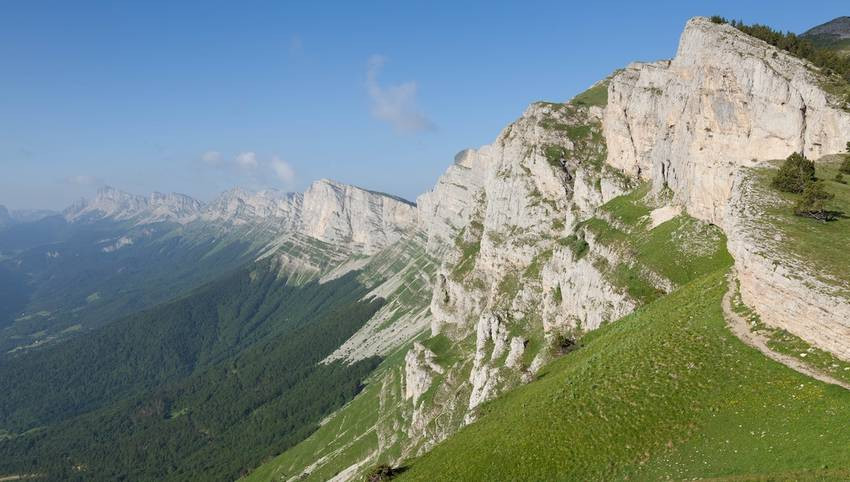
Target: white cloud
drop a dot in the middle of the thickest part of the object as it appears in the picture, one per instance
(211, 157)
(247, 160)
(283, 170)
(83, 180)
(251, 168)
(395, 104)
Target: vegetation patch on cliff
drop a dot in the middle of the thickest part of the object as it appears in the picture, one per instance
(597, 95)
(647, 260)
(821, 247)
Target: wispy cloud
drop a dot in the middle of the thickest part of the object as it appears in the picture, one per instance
(395, 104)
(250, 168)
(211, 157)
(283, 170)
(247, 160)
(83, 180)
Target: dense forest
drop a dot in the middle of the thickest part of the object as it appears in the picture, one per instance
(68, 279)
(202, 388)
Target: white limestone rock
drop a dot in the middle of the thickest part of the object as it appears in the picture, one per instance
(121, 206)
(725, 100)
(343, 214)
(419, 369)
(781, 288)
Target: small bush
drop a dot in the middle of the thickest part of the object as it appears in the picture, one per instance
(381, 473)
(794, 174)
(812, 203)
(845, 165)
(718, 19)
(839, 178)
(577, 245)
(563, 343)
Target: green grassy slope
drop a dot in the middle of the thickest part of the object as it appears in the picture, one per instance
(679, 250)
(665, 392)
(823, 247)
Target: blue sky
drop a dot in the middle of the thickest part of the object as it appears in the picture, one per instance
(197, 97)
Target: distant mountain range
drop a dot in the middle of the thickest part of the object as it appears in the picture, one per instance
(328, 211)
(7, 218)
(96, 260)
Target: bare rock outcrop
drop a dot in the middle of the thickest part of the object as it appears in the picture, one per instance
(726, 100)
(729, 101)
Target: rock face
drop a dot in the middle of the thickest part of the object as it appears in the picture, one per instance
(419, 370)
(448, 207)
(726, 100)
(499, 207)
(121, 206)
(782, 289)
(339, 213)
(497, 219)
(267, 208)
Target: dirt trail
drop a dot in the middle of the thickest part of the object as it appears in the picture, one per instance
(741, 328)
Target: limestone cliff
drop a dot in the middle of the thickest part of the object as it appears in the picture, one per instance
(540, 236)
(338, 213)
(728, 102)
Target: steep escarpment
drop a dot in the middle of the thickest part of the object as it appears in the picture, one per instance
(576, 216)
(727, 103)
(777, 263)
(535, 244)
(726, 100)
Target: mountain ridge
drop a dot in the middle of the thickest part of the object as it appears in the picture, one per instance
(328, 210)
(837, 28)
(567, 275)
(576, 215)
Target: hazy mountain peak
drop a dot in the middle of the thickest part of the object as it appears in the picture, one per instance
(341, 213)
(122, 206)
(838, 28)
(5, 218)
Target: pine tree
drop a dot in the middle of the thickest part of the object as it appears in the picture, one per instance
(812, 203)
(794, 174)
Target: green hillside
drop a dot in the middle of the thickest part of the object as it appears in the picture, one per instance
(201, 388)
(58, 280)
(667, 392)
